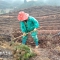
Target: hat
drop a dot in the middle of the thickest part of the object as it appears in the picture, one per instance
(23, 16)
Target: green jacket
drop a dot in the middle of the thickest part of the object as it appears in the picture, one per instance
(29, 25)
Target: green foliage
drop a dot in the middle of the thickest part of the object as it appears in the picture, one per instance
(24, 52)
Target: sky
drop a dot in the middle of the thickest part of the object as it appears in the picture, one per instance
(23, 0)
(31, 0)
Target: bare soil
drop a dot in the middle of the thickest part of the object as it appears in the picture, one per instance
(48, 32)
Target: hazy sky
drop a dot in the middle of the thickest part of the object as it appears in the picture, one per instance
(31, 0)
(36, 0)
(27, 0)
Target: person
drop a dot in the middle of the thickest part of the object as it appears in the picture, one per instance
(28, 24)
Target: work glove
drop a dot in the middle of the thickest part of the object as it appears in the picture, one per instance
(35, 29)
(24, 34)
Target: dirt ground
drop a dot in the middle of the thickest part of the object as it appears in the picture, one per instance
(49, 48)
(48, 32)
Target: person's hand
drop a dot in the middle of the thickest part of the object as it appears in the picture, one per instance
(35, 29)
(24, 34)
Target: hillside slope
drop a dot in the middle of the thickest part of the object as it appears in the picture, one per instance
(48, 17)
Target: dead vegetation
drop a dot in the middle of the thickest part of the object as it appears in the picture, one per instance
(48, 33)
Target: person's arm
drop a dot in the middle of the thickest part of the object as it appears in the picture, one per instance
(22, 27)
(35, 22)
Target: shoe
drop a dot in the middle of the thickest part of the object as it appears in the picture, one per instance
(36, 46)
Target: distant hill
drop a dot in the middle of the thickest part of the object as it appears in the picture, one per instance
(30, 4)
(20, 3)
(39, 3)
(9, 3)
(4, 4)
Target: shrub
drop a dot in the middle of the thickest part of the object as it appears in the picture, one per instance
(23, 52)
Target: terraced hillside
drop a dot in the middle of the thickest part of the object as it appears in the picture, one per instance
(48, 32)
(48, 17)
